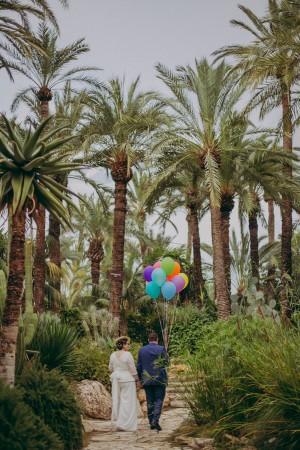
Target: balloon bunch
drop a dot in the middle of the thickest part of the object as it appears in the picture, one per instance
(164, 278)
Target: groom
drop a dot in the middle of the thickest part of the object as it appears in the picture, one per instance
(151, 369)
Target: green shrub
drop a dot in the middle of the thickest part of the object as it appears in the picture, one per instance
(273, 370)
(20, 428)
(50, 397)
(218, 370)
(73, 318)
(92, 362)
(141, 323)
(247, 380)
(54, 343)
(187, 330)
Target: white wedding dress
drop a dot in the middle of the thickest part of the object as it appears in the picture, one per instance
(124, 400)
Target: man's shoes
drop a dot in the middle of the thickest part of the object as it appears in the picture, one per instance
(155, 426)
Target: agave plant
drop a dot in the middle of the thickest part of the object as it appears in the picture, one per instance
(54, 343)
(29, 161)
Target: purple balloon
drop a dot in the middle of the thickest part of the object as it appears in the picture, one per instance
(179, 283)
(147, 273)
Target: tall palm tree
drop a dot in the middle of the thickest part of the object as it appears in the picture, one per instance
(121, 126)
(204, 95)
(46, 71)
(270, 64)
(29, 162)
(95, 224)
(141, 206)
(16, 36)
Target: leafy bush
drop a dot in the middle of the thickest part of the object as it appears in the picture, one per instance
(246, 378)
(51, 398)
(54, 343)
(20, 428)
(187, 329)
(92, 362)
(273, 370)
(73, 318)
(143, 321)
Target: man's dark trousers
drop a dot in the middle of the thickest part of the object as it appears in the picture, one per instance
(155, 395)
(151, 368)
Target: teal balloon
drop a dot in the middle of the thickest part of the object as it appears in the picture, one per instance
(168, 290)
(159, 276)
(152, 289)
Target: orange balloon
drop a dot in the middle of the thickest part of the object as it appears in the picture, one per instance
(170, 277)
(176, 270)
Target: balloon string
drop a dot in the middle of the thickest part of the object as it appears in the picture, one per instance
(173, 318)
(160, 321)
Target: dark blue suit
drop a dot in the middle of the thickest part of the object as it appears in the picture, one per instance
(151, 369)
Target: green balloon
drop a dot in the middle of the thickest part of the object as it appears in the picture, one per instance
(168, 265)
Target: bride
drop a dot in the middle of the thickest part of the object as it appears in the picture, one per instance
(123, 379)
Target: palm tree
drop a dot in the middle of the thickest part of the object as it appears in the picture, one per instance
(189, 193)
(16, 36)
(121, 126)
(29, 162)
(95, 224)
(203, 98)
(270, 64)
(141, 206)
(46, 71)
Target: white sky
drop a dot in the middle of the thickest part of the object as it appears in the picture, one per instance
(128, 37)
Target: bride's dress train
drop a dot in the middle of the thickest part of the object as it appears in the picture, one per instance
(124, 401)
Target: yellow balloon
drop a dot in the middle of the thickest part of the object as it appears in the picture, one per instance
(186, 279)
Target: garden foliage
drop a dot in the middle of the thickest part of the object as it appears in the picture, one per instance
(246, 379)
(21, 428)
(50, 397)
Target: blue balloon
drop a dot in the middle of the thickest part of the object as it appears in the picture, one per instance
(168, 290)
(159, 276)
(152, 289)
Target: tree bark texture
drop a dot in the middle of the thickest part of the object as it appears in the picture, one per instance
(13, 304)
(227, 205)
(54, 251)
(197, 263)
(221, 291)
(286, 207)
(96, 255)
(189, 238)
(121, 178)
(253, 232)
(39, 267)
(270, 287)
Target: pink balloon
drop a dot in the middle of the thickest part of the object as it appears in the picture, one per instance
(179, 282)
(156, 265)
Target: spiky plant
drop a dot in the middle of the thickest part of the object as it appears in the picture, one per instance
(29, 161)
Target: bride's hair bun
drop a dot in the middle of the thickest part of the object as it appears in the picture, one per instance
(121, 341)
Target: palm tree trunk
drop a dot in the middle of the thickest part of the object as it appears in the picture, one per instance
(227, 205)
(54, 252)
(253, 232)
(121, 179)
(221, 291)
(39, 268)
(39, 265)
(189, 238)
(13, 305)
(270, 288)
(95, 272)
(286, 207)
(197, 265)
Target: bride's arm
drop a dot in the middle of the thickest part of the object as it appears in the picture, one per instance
(110, 366)
(131, 365)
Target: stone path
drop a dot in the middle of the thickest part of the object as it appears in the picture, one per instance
(103, 438)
